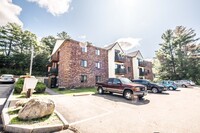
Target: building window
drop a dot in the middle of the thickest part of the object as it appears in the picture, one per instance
(83, 63)
(129, 69)
(83, 78)
(97, 65)
(148, 71)
(84, 49)
(97, 52)
(98, 79)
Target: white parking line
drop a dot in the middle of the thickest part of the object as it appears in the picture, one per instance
(91, 118)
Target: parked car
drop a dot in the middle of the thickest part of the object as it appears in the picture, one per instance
(155, 88)
(7, 78)
(169, 84)
(191, 82)
(182, 83)
(123, 86)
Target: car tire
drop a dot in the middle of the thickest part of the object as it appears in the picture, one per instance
(100, 90)
(127, 94)
(111, 92)
(170, 88)
(184, 86)
(154, 90)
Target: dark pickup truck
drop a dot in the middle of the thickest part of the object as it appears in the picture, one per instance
(123, 86)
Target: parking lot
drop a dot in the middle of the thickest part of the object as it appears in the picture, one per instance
(170, 112)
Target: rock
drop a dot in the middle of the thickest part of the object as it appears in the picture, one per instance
(36, 108)
(20, 103)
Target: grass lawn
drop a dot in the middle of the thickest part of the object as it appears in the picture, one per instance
(47, 120)
(77, 91)
(34, 95)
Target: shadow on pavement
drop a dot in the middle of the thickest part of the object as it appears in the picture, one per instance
(163, 93)
(119, 98)
(174, 90)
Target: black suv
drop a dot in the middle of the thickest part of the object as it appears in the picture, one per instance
(155, 88)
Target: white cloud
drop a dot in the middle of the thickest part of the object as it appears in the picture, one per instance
(9, 13)
(55, 7)
(82, 37)
(129, 43)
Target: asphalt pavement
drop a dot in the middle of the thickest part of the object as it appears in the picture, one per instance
(5, 90)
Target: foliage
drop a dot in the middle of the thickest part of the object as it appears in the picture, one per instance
(48, 43)
(40, 87)
(177, 55)
(91, 90)
(63, 35)
(18, 88)
(15, 50)
(39, 64)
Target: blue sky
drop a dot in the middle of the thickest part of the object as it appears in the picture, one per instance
(102, 22)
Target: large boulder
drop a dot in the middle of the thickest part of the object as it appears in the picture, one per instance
(36, 108)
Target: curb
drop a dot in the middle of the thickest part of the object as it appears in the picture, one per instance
(81, 94)
(24, 129)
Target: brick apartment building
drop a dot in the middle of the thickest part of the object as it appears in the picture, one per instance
(76, 64)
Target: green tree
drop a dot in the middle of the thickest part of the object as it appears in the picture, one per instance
(48, 43)
(9, 37)
(176, 54)
(63, 35)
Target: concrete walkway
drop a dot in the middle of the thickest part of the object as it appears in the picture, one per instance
(51, 92)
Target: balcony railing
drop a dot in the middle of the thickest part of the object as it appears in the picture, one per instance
(141, 63)
(120, 71)
(142, 73)
(119, 58)
(53, 71)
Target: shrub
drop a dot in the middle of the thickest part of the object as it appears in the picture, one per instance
(20, 81)
(40, 87)
(18, 88)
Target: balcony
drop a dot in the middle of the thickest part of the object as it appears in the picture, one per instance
(120, 71)
(141, 63)
(120, 58)
(53, 71)
(142, 73)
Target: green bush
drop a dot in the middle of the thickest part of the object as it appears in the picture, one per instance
(20, 81)
(18, 88)
(40, 87)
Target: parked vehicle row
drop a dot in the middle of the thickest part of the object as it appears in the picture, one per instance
(139, 87)
(184, 83)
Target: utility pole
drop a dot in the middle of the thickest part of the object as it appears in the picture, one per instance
(32, 51)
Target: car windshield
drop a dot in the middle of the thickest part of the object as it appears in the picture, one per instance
(125, 80)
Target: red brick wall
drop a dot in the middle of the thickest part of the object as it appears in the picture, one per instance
(148, 67)
(128, 63)
(70, 69)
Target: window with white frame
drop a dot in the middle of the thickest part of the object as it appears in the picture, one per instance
(97, 65)
(83, 63)
(84, 49)
(98, 79)
(83, 78)
(97, 52)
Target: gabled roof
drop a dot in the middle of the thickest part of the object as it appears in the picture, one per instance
(57, 45)
(135, 53)
(109, 47)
